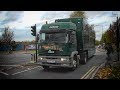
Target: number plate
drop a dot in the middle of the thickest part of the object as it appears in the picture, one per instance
(51, 61)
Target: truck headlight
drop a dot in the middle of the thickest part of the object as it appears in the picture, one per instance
(64, 59)
(40, 58)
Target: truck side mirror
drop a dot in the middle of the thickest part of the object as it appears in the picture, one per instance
(71, 39)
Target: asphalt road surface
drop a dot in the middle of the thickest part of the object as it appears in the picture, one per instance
(13, 67)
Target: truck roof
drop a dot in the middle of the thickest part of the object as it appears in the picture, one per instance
(73, 20)
(59, 26)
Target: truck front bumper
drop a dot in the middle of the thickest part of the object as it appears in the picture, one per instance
(54, 61)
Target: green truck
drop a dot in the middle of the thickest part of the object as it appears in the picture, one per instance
(65, 43)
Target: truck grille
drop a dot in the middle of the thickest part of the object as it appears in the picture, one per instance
(51, 63)
(51, 58)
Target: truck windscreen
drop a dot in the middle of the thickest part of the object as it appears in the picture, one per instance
(54, 37)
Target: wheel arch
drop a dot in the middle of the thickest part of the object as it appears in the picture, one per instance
(74, 53)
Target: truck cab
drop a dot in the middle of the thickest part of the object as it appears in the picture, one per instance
(57, 43)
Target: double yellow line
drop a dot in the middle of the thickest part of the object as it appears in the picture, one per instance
(86, 76)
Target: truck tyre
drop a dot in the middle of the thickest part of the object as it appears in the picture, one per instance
(75, 63)
(84, 58)
(45, 67)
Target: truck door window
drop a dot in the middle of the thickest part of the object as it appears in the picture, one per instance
(73, 38)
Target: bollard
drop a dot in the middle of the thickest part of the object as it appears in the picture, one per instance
(35, 58)
(32, 58)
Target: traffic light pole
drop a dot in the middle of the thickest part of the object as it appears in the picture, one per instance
(36, 43)
(34, 33)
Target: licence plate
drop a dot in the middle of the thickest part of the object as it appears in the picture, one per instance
(51, 61)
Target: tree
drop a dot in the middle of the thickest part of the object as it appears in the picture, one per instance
(103, 38)
(97, 42)
(77, 14)
(0, 41)
(8, 38)
(7, 35)
(109, 36)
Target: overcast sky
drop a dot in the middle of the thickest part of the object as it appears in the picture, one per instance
(21, 21)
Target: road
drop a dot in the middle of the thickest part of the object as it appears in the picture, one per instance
(14, 69)
(15, 58)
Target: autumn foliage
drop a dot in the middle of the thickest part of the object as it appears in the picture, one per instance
(110, 36)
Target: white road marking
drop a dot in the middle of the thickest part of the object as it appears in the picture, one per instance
(26, 70)
(4, 73)
(87, 74)
(10, 65)
(9, 68)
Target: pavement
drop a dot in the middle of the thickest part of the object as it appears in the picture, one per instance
(20, 51)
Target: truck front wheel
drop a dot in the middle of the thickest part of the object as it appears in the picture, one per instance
(75, 63)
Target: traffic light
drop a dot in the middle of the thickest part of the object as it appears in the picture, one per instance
(33, 30)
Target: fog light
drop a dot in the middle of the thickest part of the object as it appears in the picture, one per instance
(65, 65)
(62, 59)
